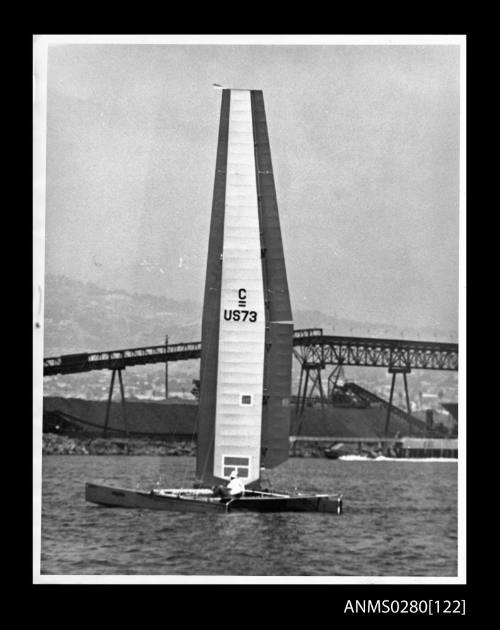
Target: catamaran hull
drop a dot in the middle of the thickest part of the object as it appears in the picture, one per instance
(138, 499)
(288, 504)
(120, 497)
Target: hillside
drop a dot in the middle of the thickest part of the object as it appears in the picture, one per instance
(83, 317)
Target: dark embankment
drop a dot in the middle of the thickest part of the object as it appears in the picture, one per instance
(178, 419)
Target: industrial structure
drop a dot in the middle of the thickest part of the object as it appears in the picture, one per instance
(313, 350)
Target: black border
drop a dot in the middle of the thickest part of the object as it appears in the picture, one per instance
(251, 600)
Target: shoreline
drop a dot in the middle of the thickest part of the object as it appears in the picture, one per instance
(85, 444)
(58, 444)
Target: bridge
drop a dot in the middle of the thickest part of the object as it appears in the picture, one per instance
(120, 359)
(312, 349)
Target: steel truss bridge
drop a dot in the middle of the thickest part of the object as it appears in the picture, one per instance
(312, 349)
(311, 346)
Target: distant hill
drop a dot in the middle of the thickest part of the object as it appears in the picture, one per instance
(81, 317)
(84, 317)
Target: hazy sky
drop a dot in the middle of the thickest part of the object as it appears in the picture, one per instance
(365, 149)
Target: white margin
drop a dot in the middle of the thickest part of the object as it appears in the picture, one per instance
(260, 40)
(39, 170)
(40, 51)
(462, 326)
(239, 579)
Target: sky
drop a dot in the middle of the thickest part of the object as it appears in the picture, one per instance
(365, 150)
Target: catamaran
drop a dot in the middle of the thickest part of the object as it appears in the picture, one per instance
(247, 334)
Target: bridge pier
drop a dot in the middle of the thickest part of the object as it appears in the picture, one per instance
(333, 379)
(394, 371)
(110, 396)
(166, 367)
(316, 383)
(303, 395)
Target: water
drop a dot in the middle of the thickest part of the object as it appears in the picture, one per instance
(383, 458)
(400, 519)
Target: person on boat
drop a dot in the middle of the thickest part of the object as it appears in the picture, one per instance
(233, 490)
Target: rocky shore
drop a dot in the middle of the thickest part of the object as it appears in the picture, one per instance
(55, 444)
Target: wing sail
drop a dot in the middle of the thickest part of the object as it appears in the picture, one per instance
(247, 328)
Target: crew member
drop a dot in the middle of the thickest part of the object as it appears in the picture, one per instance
(233, 490)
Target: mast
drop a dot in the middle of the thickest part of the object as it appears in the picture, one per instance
(247, 327)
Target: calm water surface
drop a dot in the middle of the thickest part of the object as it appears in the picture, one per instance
(400, 518)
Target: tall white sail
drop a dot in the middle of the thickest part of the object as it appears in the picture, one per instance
(242, 318)
(247, 325)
